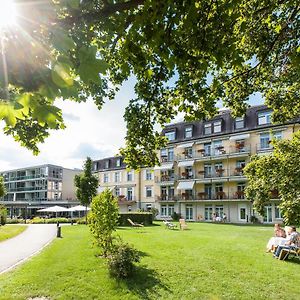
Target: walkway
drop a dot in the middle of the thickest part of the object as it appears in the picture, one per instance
(16, 250)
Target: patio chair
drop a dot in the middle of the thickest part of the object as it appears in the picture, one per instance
(182, 224)
(291, 252)
(169, 225)
(134, 224)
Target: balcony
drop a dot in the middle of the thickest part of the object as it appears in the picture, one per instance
(215, 174)
(165, 198)
(123, 200)
(166, 179)
(165, 158)
(264, 147)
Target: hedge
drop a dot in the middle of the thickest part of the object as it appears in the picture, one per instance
(144, 218)
(3, 214)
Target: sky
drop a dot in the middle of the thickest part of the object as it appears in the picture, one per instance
(89, 132)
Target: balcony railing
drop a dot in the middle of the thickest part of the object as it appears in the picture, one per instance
(198, 196)
(122, 199)
(166, 198)
(26, 189)
(165, 178)
(6, 179)
(220, 151)
(164, 159)
(264, 147)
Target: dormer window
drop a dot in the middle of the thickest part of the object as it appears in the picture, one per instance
(188, 132)
(264, 117)
(118, 162)
(207, 128)
(170, 135)
(239, 123)
(106, 164)
(217, 126)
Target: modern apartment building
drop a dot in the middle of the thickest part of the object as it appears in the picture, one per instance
(37, 187)
(201, 171)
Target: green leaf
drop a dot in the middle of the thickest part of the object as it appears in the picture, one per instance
(61, 41)
(7, 113)
(47, 114)
(61, 75)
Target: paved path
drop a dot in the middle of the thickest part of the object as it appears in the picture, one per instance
(16, 250)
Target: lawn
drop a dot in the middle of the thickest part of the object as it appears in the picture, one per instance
(208, 261)
(9, 231)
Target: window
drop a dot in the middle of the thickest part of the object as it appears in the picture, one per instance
(207, 171)
(277, 135)
(106, 164)
(241, 164)
(217, 126)
(117, 192)
(264, 117)
(189, 212)
(242, 214)
(148, 191)
(117, 177)
(105, 178)
(170, 154)
(188, 152)
(163, 210)
(129, 194)
(207, 149)
(148, 175)
(170, 210)
(208, 213)
(130, 176)
(95, 166)
(219, 210)
(207, 128)
(264, 140)
(239, 123)
(118, 162)
(218, 148)
(188, 132)
(171, 136)
(277, 213)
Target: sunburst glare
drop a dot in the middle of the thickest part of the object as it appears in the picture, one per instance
(7, 13)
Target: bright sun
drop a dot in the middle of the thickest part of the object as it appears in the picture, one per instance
(7, 13)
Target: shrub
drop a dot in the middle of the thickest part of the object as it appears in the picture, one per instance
(3, 215)
(137, 217)
(254, 219)
(121, 260)
(38, 220)
(154, 212)
(175, 216)
(14, 221)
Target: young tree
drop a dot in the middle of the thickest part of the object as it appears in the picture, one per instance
(212, 50)
(2, 187)
(277, 173)
(103, 219)
(86, 184)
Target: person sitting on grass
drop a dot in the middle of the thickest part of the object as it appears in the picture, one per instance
(293, 241)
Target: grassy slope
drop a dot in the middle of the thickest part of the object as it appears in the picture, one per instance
(7, 232)
(209, 261)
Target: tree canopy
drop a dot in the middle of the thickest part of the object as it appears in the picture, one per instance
(2, 187)
(277, 175)
(185, 56)
(86, 184)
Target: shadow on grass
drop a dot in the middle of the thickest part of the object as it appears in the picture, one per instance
(145, 283)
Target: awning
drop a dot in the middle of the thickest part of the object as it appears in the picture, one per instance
(186, 163)
(168, 166)
(185, 185)
(239, 137)
(186, 145)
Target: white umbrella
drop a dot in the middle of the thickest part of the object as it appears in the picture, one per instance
(55, 209)
(78, 208)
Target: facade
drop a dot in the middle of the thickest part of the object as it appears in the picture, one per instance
(135, 190)
(201, 172)
(37, 187)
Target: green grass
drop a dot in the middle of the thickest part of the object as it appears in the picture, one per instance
(208, 261)
(9, 231)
